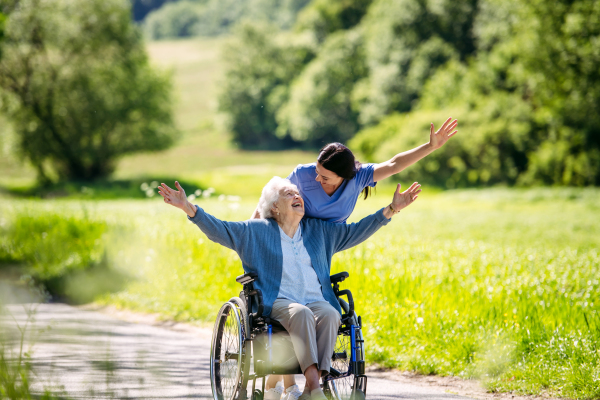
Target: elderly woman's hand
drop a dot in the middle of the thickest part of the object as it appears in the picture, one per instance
(177, 198)
(402, 200)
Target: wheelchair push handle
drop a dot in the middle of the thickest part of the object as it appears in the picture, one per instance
(259, 302)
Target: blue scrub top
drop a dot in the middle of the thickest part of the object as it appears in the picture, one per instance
(338, 207)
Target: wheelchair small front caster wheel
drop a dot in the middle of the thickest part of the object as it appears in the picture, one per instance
(258, 395)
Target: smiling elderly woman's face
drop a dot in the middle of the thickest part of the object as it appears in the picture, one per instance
(280, 196)
(289, 203)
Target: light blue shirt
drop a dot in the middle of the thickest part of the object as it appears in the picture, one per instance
(299, 281)
(337, 207)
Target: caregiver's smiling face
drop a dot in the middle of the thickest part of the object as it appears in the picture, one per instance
(329, 180)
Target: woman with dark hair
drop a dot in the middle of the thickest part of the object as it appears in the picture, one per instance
(331, 186)
(330, 189)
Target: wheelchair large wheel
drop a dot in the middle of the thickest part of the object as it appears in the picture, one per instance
(228, 371)
(349, 387)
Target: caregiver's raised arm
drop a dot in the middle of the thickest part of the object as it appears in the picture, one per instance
(177, 198)
(403, 160)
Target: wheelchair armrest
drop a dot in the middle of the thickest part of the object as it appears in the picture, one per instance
(246, 278)
(348, 294)
(339, 277)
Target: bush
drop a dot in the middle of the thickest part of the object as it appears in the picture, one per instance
(52, 245)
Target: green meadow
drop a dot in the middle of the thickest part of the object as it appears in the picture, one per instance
(497, 284)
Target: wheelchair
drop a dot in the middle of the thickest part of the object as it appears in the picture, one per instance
(247, 346)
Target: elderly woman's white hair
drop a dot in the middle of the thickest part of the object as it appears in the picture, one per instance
(270, 195)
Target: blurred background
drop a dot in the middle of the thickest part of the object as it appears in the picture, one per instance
(492, 274)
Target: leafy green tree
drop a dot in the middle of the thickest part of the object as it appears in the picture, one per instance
(217, 17)
(560, 51)
(527, 101)
(260, 67)
(405, 42)
(320, 102)
(322, 17)
(76, 83)
(173, 20)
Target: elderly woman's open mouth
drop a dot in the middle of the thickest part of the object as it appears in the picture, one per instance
(297, 203)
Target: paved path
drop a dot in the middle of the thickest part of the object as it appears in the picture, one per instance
(90, 355)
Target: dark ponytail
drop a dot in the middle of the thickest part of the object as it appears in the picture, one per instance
(339, 159)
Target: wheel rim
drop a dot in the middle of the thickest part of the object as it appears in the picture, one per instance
(226, 353)
(342, 388)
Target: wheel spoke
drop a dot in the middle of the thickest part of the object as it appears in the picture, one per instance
(342, 388)
(226, 354)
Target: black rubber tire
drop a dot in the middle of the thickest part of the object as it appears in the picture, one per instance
(226, 354)
(343, 388)
(244, 314)
(246, 349)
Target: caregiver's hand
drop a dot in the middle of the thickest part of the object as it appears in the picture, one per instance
(438, 138)
(177, 198)
(402, 200)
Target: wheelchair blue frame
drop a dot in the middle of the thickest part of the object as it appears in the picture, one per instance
(258, 346)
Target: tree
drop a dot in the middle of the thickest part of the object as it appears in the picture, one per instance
(260, 67)
(319, 108)
(406, 41)
(527, 99)
(76, 83)
(180, 19)
(322, 17)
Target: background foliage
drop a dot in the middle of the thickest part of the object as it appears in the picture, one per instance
(519, 76)
(499, 284)
(215, 17)
(78, 88)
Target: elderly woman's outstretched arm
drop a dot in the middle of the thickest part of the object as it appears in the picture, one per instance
(223, 232)
(350, 235)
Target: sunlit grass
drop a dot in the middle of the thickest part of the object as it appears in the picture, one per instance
(499, 284)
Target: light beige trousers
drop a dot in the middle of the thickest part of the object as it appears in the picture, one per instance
(313, 329)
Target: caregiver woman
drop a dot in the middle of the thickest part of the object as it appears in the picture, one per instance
(331, 186)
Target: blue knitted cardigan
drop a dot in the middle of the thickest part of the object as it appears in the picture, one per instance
(258, 244)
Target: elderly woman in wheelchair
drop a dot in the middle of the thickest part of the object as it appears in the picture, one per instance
(288, 288)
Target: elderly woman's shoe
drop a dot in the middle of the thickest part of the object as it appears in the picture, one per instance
(274, 393)
(292, 393)
(317, 394)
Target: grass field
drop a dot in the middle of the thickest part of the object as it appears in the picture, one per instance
(500, 284)
(497, 284)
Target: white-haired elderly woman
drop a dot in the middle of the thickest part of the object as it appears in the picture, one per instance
(292, 257)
